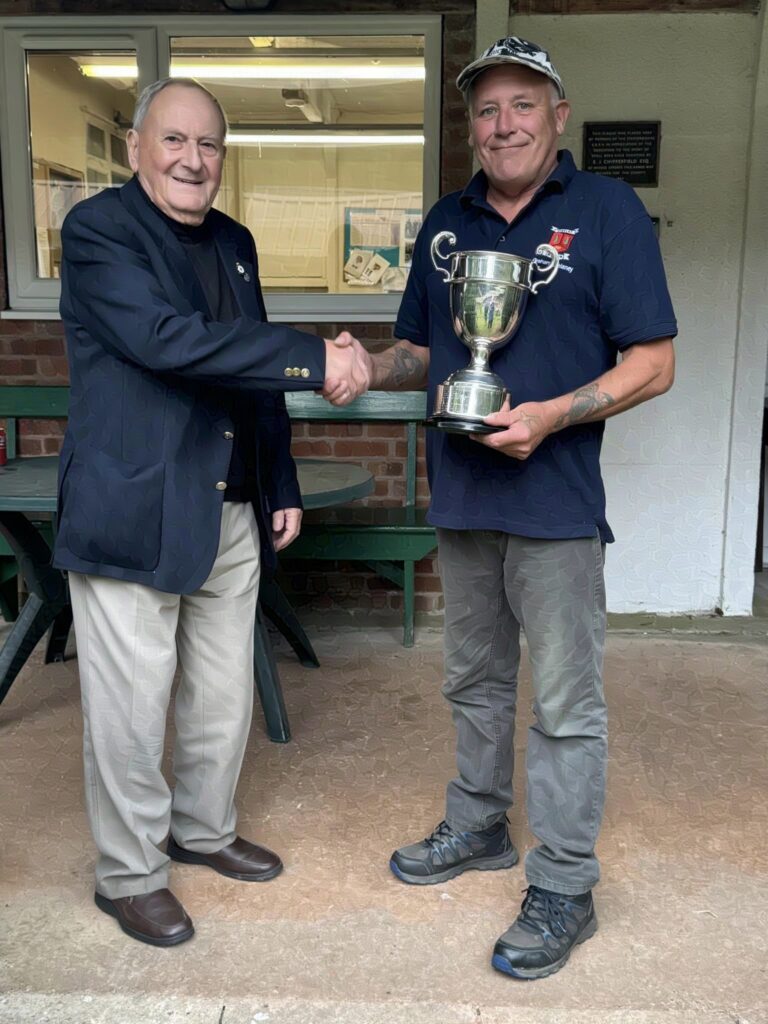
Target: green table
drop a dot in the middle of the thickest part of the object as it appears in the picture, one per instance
(28, 487)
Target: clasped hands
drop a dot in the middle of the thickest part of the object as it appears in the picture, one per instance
(348, 369)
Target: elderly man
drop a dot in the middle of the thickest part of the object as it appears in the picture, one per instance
(176, 485)
(520, 513)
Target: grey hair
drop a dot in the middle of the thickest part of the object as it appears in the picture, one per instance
(469, 94)
(147, 95)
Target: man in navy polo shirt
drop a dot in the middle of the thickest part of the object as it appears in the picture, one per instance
(520, 514)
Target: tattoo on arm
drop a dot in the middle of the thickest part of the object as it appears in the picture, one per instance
(405, 367)
(586, 401)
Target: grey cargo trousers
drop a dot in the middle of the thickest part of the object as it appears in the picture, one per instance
(495, 584)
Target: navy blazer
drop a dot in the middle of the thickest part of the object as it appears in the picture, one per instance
(146, 443)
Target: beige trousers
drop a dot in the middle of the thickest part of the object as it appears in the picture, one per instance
(129, 640)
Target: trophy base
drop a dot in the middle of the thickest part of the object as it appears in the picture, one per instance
(464, 400)
(451, 425)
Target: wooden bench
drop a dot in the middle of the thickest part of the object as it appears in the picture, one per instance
(18, 403)
(388, 540)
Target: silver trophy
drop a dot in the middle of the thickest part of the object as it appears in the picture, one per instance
(488, 293)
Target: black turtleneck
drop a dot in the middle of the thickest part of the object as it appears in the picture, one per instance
(200, 246)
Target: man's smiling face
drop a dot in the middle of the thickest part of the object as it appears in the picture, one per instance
(178, 152)
(515, 122)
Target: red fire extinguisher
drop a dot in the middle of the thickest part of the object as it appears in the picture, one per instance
(3, 447)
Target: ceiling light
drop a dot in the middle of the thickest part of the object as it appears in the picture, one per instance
(325, 71)
(322, 139)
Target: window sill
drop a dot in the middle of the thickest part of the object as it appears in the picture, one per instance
(317, 317)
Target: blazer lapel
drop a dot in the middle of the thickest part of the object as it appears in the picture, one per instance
(177, 261)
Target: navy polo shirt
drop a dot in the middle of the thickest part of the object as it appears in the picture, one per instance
(609, 293)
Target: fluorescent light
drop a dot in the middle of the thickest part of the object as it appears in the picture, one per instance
(110, 70)
(326, 71)
(321, 139)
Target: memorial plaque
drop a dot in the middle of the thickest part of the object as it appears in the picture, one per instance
(623, 149)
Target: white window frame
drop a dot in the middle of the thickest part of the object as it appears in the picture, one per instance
(31, 296)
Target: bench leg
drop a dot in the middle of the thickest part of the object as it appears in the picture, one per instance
(9, 599)
(47, 595)
(57, 641)
(278, 610)
(409, 592)
(268, 683)
(33, 622)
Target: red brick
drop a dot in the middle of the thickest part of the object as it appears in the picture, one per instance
(44, 427)
(316, 449)
(385, 429)
(30, 446)
(360, 449)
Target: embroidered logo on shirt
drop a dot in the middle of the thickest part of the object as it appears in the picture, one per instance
(562, 238)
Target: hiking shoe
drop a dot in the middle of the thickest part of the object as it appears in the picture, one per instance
(547, 928)
(447, 853)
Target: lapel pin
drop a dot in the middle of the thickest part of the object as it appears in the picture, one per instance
(241, 270)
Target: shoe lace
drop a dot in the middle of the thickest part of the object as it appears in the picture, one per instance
(544, 911)
(444, 838)
(441, 836)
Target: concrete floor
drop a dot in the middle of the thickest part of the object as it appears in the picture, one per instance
(683, 905)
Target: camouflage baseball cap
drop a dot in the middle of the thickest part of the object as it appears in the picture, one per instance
(511, 50)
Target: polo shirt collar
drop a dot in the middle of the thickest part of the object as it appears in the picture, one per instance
(476, 191)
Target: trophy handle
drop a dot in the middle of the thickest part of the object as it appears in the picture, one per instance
(551, 268)
(437, 255)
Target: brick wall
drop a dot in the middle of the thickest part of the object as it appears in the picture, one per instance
(32, 352)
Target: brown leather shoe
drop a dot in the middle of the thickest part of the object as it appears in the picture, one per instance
(154, 917)
(241, 859)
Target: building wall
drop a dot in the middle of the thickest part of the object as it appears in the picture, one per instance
(666, 463)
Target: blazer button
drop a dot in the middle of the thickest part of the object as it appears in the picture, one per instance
(221, 485)
(296, 371)
(288, 371)
(228, 435)
(305, 372)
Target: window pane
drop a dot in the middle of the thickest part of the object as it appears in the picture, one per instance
(325, 152)
(95, 144)
(119, 150)
(72, 113)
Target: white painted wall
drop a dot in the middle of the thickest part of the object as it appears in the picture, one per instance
(666, 464)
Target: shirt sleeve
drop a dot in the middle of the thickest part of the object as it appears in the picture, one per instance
(634, 299)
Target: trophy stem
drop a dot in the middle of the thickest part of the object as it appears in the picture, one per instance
(481, 353)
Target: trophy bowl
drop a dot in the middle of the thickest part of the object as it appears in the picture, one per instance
(488, 295)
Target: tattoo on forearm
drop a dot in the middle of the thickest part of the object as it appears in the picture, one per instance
(405, 366)
(586, 401)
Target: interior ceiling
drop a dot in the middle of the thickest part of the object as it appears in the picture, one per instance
(337, 102)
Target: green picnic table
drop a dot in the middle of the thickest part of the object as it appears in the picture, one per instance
(28, 489)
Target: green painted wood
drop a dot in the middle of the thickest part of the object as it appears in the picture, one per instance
(390, 571)
(410, 469)
(350, 545)
(372, 517)
(376, 405)
(34, 402)
(409, 602)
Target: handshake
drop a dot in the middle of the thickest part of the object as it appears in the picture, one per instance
(348, 369)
